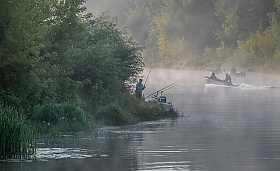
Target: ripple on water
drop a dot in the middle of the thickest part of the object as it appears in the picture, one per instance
(45, 154)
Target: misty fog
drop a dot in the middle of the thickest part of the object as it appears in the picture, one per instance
(219, 128)
(198, 34)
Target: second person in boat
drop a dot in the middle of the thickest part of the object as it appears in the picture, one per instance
(228, 79)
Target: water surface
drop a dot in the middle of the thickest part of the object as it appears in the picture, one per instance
(220, 128)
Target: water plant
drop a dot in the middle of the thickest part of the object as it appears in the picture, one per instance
(113, 114)
(16, 135)
(147, 111)
(61, 117)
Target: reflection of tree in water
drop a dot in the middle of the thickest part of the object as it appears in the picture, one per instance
(105, 150)
(119, 151)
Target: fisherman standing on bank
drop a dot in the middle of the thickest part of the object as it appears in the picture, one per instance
(139, 88)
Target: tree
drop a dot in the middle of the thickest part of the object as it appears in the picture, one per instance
(232, 26)
(240, 18)
(21, 42)
(110, 59)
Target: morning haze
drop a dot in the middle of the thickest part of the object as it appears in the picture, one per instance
(70, 97)
(200, 34)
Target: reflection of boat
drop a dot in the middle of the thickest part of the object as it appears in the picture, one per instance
(237, 74)
(209, 80)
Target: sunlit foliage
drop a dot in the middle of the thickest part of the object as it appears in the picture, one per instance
(260, 45)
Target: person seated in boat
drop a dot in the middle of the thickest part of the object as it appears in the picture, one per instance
(213, 76)
(243, 73)
(228, 79)
(233, 70)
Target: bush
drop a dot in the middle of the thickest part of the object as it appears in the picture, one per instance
(113, 114)
(62, 117)
(16, 135)
(147, 111)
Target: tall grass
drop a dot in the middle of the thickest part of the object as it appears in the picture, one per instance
(113, 114)
(16, 135)
(147, 111)
(63, 117)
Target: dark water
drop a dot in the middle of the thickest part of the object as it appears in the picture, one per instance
(220, 129)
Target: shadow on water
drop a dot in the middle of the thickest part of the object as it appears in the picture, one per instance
(220, 128)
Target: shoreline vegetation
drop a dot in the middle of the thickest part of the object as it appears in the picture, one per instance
(18, 132)
(64, 70)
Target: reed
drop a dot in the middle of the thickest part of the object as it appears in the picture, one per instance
(147, 111)
(113, 114)
(63, 117)
(16, 134)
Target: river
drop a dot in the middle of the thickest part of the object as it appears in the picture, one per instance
(219, 129)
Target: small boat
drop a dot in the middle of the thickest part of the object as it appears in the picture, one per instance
(162, 100)
(238, 74)
(209, 80)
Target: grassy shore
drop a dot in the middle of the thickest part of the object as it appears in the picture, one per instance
(18, 131)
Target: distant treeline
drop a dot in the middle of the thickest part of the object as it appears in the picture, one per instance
(200, 34)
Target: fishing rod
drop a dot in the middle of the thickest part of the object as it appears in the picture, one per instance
(165, 88)
(182, 81)
(176, 83)
(149, 72)
(169, 86)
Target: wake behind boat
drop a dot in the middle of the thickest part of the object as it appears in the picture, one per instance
(213, 80)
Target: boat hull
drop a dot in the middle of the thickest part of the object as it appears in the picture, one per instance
(209, 80)
(238, 74)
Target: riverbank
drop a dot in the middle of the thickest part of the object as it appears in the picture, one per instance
(19, 131)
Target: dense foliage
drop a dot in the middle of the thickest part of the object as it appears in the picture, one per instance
(51, 52)
(61, 69)
(199, 34)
